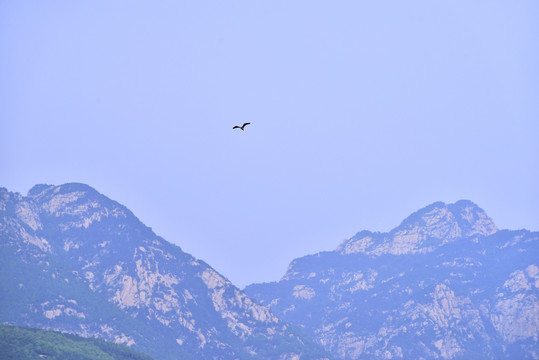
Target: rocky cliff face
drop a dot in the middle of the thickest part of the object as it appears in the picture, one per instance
(444, 284)
(75, 261)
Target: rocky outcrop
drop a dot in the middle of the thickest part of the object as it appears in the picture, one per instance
(445, 283)
(424, 231)
(75, 261)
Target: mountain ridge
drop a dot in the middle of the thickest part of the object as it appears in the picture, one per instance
(420, 230)
(76, 261)
(442, 284)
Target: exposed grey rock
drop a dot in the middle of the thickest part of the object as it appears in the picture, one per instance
(443, 284)
(75, 261)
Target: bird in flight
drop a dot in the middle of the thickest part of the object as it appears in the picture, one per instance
(240, 127)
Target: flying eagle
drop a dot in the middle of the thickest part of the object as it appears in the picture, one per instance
(240, 127)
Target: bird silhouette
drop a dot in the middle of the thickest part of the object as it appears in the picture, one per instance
(240, 127)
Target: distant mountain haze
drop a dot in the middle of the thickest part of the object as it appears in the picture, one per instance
(75, 261)
(444, 284)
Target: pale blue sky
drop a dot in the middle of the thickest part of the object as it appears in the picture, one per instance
(362, 112)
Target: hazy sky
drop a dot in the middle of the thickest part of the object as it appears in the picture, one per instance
(362, 112)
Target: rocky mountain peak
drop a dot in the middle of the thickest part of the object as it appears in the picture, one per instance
(79, 205)
(464, 217)
(444, 284)
(74, 191)
(101, 272)
(424, 230)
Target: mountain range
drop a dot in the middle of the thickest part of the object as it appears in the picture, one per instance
(446, 283)
(73, 260)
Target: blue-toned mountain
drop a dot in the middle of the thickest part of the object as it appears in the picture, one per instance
(445, 283)
(75, 261)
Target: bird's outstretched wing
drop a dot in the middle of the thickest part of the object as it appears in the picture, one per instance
(241, 127)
